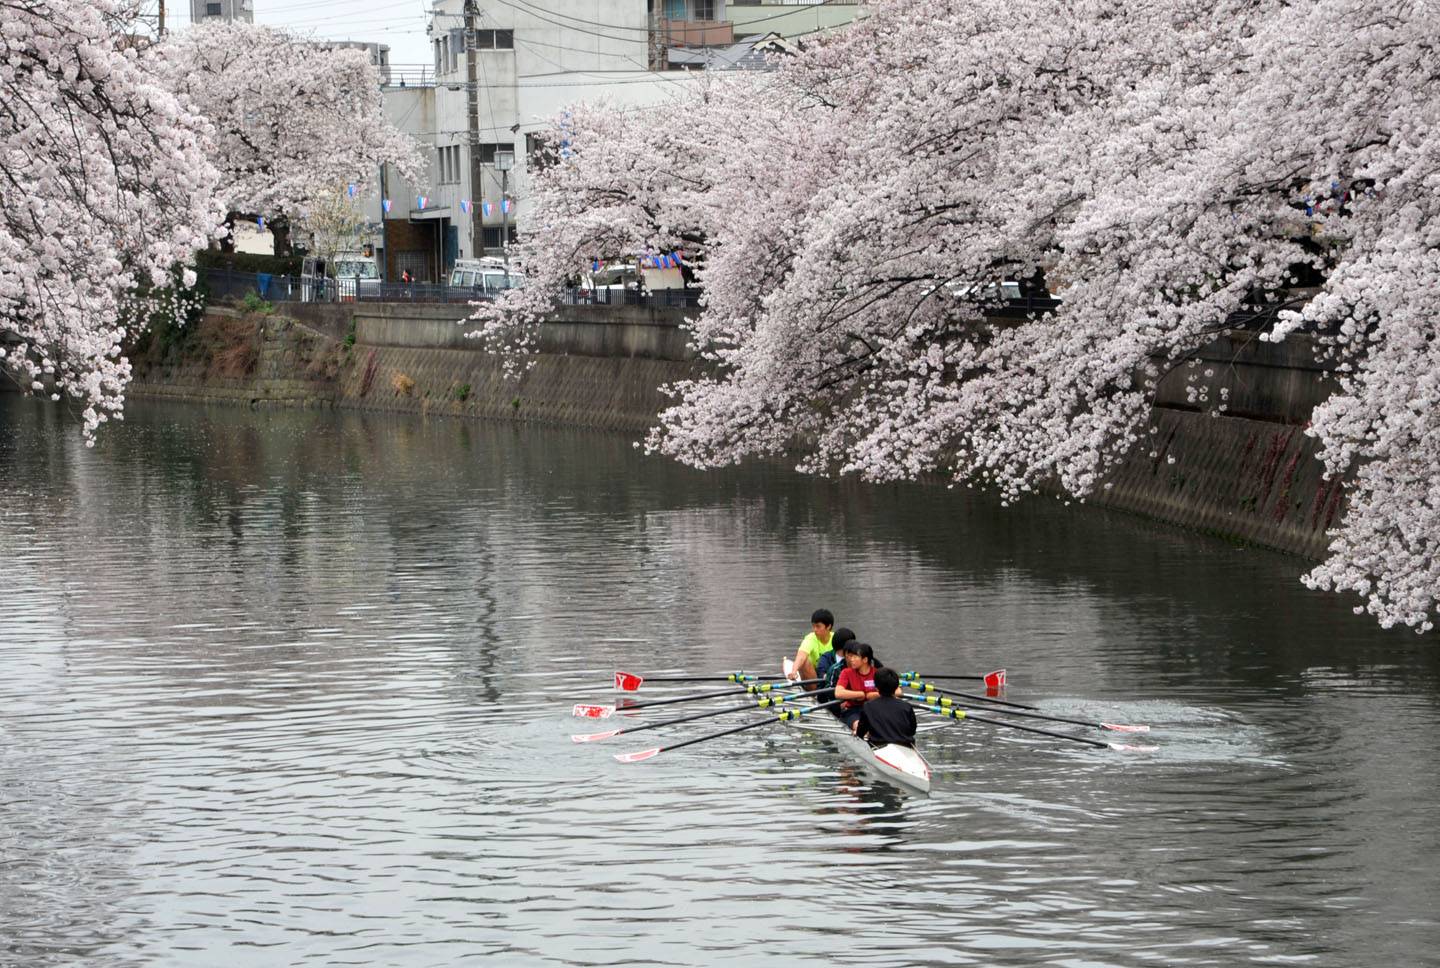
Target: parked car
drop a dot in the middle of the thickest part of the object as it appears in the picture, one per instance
(485, 277)
(344, 277)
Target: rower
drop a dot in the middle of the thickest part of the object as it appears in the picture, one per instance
(814, 645)
(856, 684)
(888, 719)
(831, 663)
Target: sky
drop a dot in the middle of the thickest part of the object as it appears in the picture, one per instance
(399, 23)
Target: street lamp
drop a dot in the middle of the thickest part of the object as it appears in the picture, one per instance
(504, 161)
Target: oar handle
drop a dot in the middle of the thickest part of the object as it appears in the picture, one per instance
(751, 688)
(915, 683)
(955, 712)
(785, 716)
(762, 703)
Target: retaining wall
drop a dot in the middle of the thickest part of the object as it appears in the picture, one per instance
(1248, 474)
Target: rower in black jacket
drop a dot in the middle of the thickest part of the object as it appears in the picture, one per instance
(888, 719)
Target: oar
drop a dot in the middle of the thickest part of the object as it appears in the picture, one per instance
(785, 715)
(953, 712)
(631, 682)
(910, 681)
(605, 712)
(763, 703)
(1113, 727)
(992, 680)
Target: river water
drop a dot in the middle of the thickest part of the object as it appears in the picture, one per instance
(292, 687)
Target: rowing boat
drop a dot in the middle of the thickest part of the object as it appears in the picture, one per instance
(899, 764)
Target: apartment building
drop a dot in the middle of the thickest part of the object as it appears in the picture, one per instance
(531, 60)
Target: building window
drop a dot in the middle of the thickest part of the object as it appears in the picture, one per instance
(489, 151)
(492, 236)
(494, 40)
(212, 9)
(448, 164)
(704, 9)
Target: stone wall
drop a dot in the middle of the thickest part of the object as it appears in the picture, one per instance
(417, 359)
(1249, 473)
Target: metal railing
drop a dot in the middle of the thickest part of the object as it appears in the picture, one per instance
(235, 285)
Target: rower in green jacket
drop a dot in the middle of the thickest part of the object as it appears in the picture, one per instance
(814, 645)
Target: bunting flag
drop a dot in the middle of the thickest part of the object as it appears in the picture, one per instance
(385, 204)
(485, 209)
(350, 190)
(420, 201)
(594, 265)
(465, 205)
(261, 223)
(505, 206)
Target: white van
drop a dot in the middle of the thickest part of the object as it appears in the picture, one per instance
(354, 273)
(488, 276)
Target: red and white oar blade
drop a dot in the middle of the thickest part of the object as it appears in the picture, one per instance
(995, 680)
(1133, 748)
(637, 757)
(628, 681)
(592, 712)
(592, 737)
(1122, 728)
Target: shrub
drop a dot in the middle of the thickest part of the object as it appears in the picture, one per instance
(252, 303)
(277, 265)
(462, 392)
(403, 384)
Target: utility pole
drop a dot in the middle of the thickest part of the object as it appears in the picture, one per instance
(472, 97)
(162, 18)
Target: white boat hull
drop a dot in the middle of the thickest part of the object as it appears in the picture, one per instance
(899, 764)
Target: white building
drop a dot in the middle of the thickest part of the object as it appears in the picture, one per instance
(202, 10)
(531, 61)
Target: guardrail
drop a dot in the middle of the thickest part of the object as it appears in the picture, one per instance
(231, 284)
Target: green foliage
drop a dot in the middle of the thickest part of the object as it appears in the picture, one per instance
(462, 392)
(249, 262)
(350, 333)
(252, 303)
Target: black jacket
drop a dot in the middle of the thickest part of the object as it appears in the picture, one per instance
(887, 720)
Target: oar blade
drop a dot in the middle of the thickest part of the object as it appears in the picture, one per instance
(592, 712)
(1123, 728)
(994, 680)
(628, 681)
(637, 756)
(1133, 748)
(593, 737)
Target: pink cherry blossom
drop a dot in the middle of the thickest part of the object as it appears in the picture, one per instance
(1167, 164)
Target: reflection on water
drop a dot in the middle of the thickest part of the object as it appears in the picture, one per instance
(294, 687)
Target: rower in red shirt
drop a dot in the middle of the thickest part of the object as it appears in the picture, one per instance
(857, 681)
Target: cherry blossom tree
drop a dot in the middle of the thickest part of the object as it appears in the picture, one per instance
(1170, 163)
(107, 191)
(292, 118)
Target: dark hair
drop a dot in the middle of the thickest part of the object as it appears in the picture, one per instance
(840, 637)
(886, 681)
(823, 616)
(862, 650)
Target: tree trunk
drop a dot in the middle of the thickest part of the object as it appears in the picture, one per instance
(227, 243)
(280, 233)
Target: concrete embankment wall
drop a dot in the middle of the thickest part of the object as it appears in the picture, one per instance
(1249, 474)
(598, 366)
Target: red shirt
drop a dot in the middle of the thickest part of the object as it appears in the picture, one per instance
(857, 681)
